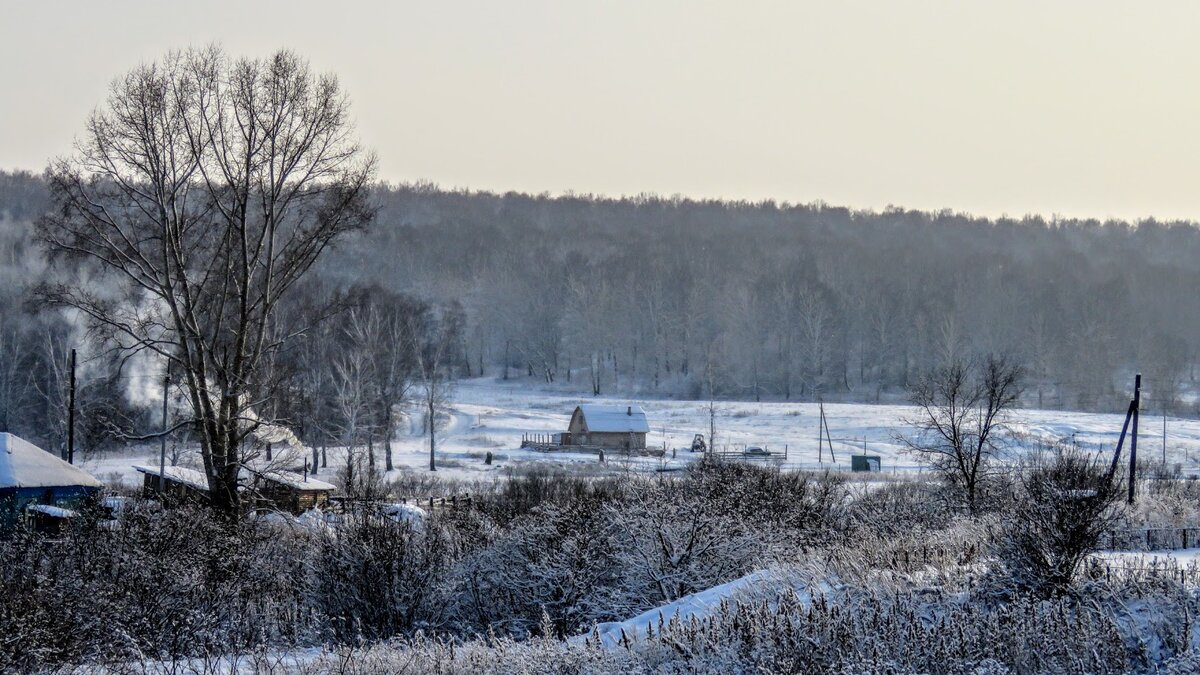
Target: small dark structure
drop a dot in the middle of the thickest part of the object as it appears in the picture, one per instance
(49, 519)
(179, 484)
(620, 427)
(292, 492)
(30, 476)
(865, 463)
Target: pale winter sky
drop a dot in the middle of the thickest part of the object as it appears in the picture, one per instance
(1087, 108)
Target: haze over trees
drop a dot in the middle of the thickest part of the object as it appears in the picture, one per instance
(667, 296)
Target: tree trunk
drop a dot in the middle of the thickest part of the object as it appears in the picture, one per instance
(387, 441)
(432, 425)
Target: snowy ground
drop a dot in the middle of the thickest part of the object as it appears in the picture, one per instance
(488, 415)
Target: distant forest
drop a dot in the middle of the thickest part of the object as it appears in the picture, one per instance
(663, 296)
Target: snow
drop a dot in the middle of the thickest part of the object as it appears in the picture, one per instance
(615, 418)
(295, 480)
(179, 474)
(704, 603)
(52, 511)
(1183, 556)
(25, 465)
(487, 415)
(406, 513)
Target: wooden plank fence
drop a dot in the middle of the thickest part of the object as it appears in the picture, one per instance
(1187, 574)
(348, 505)
(553, 443)
(1151, 539)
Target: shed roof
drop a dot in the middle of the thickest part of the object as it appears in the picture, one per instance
(615, 418)
(52, 511)
(25, 465)
(179, 474)
(295, 480)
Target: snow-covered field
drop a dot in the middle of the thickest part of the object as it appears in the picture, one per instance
(490, 415)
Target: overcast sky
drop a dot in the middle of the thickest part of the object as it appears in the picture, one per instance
(1076, 108)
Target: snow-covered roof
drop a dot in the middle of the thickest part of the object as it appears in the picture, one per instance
(52, 511)
(615, 418)
(295, 480)
(25, 465)
(189, 477)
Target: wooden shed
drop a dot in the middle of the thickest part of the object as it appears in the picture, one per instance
(292, 492)
(617, 427)
(179, 483)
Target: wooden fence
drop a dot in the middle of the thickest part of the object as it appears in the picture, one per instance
(554, 443)
(348, 505)
(1152, 571)
(1151, 539)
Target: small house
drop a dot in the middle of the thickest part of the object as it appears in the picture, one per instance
(30, 476)
(292, 492)
(619, 427)
(176, 483)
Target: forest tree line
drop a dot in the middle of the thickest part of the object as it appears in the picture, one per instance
(670, 297)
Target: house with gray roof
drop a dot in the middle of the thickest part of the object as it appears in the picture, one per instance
(617, 427)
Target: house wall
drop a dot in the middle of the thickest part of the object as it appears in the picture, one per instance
(174, 490)
(14, 500)
(292, 500)
(576, 426)
(617, 440)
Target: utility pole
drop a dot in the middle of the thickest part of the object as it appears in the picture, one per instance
(1137, 403)
(71, 414)
(712, 422)
(162, 448)
(820, 432)
(1164, 434)
(828, 436)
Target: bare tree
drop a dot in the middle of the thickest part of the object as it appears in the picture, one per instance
(394, 364)
(960, 424)
(352, 381)
(434, 336)
(206, 188)
(15, 379)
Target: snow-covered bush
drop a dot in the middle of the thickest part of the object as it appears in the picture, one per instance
(875, 577)
(375, 577)
(1067, 504)
(559, 560)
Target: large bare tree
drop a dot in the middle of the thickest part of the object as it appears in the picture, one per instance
(203, 189)
(960, 421)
